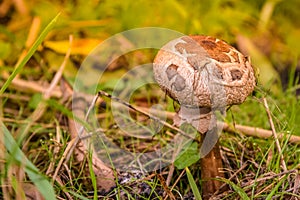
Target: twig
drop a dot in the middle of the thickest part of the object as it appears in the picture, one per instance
(257, 132)
(296, 184)
(30, 86)
(137, 109)
(236, 128)
(166, 188)
(274, 134)
(268, 177)
(177, 180)
(246, 130)
(62, 185)
(170, 174)
(65, 154)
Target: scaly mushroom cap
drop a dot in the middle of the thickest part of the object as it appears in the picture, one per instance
(201, 71)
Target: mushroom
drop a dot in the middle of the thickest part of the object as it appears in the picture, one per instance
(204, 75)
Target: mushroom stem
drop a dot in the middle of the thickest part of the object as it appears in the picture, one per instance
(200, 118)
(204, 120)
(211, 164)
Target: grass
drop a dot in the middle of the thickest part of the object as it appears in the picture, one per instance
(17, 156)
(252, 165)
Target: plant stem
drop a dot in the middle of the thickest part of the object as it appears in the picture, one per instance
(211, 165)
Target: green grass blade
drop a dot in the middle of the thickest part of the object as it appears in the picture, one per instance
(193, 184)
(78, 196)
(31, 51)
(92, 175)
(275, 189)
(42, 184)
(236, 188)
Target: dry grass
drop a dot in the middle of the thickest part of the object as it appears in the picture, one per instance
(46, 150)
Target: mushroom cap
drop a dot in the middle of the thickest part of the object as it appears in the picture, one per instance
(201, 71)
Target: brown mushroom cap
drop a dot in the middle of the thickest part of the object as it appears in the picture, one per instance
(201, 71)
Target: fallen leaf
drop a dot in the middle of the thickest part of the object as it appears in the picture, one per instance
(79, 46)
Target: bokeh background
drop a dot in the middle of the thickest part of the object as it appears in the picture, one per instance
(268, 31)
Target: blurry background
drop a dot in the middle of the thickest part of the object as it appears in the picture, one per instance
(267, 30)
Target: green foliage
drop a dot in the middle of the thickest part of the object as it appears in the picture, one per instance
(18, 156)
(193, 184)
(31, 51)
(237, 189)
(275, 189)
(5, 49)
(92, 174)
(35, 100)
(188, 155)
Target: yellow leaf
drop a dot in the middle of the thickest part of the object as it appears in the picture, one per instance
(79, 46)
